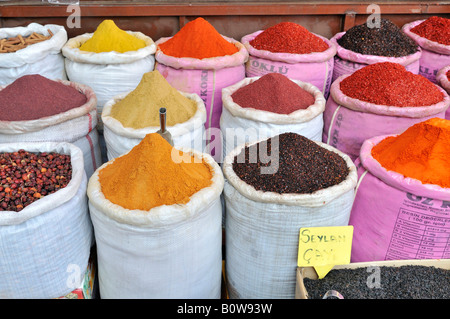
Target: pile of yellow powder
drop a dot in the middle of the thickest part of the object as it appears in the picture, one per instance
(108, 37)
(140, 107)
(147, 177)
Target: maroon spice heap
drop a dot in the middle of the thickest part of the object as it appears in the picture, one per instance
(32, 97)
(288, 37)
(303, 166)
(390, 84)
(26, 177)
(448, 75)
(436, 29)
(275, 93)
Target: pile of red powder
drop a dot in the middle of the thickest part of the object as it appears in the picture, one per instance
(436, 29)
(390, 84)
(32, 97)
(288, 37)
(274, 93)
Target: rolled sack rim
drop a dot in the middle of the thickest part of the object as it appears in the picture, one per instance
(179, 129)
(291, 58)
(356, 57)
(316, 199)
(56, 199)
(299, 116)
(35, 52)
(71, 50)
(397, 180)
(214, 63)
(442, 79)
(160, 216)
(406, 111)
(425, 43)
(27, 126)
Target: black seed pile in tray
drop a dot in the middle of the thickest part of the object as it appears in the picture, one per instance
(303, 166)
(403, 282)
(387, 40)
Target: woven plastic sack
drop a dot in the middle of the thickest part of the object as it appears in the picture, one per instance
(442, 78)
(348, 122)
(77, 125)
(347, 61)
(119, 139)
(45, 248)
(262, 230)
(396, 217)
(108, 73)
(434, 57)
(204, 77)
(242, 125)
(42, 58)
(315, 68)
(167, 252)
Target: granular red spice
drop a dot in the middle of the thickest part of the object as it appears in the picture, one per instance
(32, 97)
(275, 93)
(390, 84)
(288, 37)
(448, 75)
(436, 29)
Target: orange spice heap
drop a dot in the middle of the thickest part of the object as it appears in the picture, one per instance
(421, 152)
(147, 177)
(197, 39)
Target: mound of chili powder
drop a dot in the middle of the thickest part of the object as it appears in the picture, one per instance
(390, 84)
(32, 97)
(288, 37)
(275, 93)
(303, 166)
(387, 40)
(436, 29)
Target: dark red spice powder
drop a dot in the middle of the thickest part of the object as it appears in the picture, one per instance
(436, 29)
(32, 97)
(273, 92)
(288, 37)
(448, 75)
(390, 84)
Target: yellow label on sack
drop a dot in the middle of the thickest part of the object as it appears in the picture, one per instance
(324, 247)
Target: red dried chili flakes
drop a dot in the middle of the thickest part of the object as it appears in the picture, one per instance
(288, 37)
(448, 75)
(390, 84)
(436, 29)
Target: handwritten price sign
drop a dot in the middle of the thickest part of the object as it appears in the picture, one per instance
(324, 247)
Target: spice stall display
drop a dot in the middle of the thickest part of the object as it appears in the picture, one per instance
(401, 206)
(198, 59)
(433, 36)
(37, 109)
(292, 50)
(366, 44)
(304, 184)
(45, 229)
(378, 99)
(110, 60)
(393, 279)
(157, 219)
(129, 117)
(33, 49)
(443, 79)
(261, 107)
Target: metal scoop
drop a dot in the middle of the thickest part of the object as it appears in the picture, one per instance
(163, 131)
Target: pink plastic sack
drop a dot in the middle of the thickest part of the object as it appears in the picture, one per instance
(397, 218)
(442, 80)
(347, 62)
(314, 68)
(434, 57)
(349, 122)
(205, 77)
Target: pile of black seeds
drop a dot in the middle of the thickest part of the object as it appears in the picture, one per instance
(404, 282)
(303, 166)
(387, 40)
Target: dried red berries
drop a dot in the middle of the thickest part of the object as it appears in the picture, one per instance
(25, 177)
